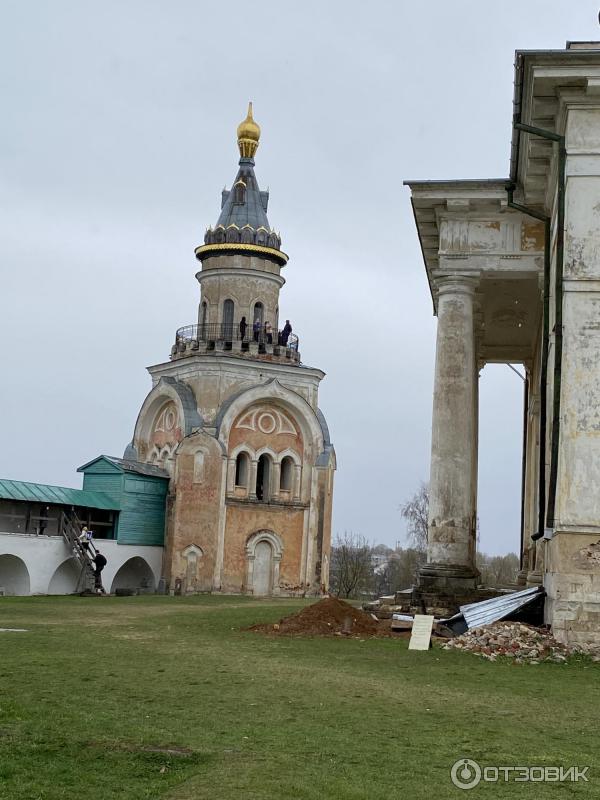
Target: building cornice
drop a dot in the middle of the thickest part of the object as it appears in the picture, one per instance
(206, 250)
(201, 363)
(235, 272)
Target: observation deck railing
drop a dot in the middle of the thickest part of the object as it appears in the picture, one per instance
(222, 336)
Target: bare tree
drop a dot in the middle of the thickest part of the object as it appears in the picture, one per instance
(416, 511)
(498, 570)
(399, 572)
(351, 568)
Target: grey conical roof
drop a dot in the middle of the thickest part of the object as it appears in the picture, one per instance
(252, 210)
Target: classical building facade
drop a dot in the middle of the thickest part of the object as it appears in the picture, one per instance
(514, 269)
(233, 417)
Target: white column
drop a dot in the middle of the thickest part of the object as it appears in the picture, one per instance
(230, 476)
(453, 483)
(252, 479)
(296, 482)
(276, 481)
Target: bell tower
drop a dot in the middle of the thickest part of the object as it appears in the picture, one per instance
(234, 418)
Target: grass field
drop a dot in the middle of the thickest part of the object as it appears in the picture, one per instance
(98, 691)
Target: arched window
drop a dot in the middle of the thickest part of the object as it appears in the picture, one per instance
(258, 313)
(263, 478)
(228, 309)
(167, 460)
(233, 234)
(155, 456)
(204, 313)
(240, 192)
(287, 473)
(242, 469)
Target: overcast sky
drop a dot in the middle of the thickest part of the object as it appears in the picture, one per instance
(117, 136)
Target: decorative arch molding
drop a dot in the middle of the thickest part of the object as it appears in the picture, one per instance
(272, 391)
(265, 535)
(243, 448)
(289, 453)
(192, 550)
(182, 396)
(266, 451)
(163, 456)
(267, 420)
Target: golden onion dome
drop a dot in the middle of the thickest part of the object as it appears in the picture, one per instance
(248, 134)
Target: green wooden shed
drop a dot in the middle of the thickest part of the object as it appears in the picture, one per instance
(141, 492)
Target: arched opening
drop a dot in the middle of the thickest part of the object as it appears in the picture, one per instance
(65, 578)
(14, 576)
(264, 551)
(193, 583)
(263, 478)
(134, 574)
(263, 569)
(167, 459)
(204, 313)
(242, 469)
(259, 311)
(228, 311)
(286, 475)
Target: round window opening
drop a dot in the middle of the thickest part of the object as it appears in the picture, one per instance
(267, 423)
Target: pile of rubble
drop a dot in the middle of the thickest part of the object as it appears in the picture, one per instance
(522, 643)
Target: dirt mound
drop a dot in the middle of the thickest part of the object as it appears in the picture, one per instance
(328, 617)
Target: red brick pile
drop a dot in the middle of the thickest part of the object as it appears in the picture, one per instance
(521, 643)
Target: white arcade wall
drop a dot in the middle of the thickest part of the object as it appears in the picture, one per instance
(45, 565)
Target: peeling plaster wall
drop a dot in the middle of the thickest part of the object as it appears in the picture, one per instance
(572, 556)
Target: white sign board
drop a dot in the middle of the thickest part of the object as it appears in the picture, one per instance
(420, 638)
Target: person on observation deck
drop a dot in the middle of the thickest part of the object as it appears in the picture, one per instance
(285, 333)
(243, 328)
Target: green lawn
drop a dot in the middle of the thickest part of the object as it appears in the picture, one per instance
(98, 688)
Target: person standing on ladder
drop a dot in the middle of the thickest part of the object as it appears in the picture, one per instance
(99, 564)
(85, 539)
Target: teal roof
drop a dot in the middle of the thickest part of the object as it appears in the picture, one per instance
(56, 495)
(127, 465)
